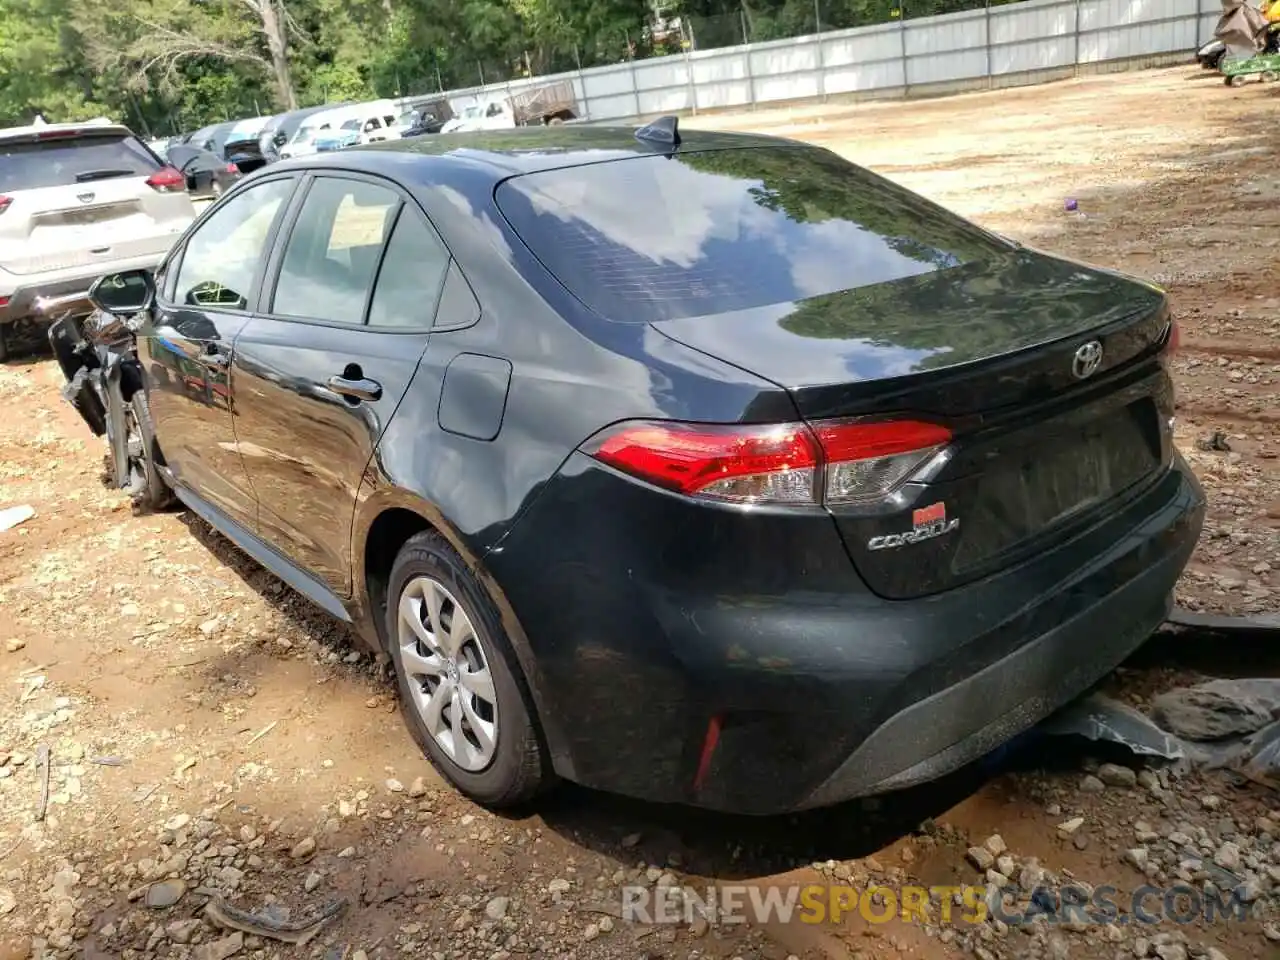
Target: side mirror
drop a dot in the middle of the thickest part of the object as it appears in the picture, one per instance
(280, 139)
(125, 293)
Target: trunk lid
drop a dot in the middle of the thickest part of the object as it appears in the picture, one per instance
(974, 338)
(988, 349)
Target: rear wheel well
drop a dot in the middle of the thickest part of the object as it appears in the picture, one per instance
(386, 536)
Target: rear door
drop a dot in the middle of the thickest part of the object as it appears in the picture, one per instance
(203, 301)
(83, 196)
(320, 371)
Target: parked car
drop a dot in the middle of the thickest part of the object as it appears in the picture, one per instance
(361, 123)
(208, 175)
(494, 113)
(245, 155)
(709, 469)
(210, 138)
(282, 128)
(303, 141)
(241, 146)
(425, 116)
(78, 200)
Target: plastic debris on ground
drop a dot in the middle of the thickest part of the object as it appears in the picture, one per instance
(10, 517)
(1098, 717)
(1220, 724)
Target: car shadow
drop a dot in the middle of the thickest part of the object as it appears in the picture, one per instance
(300, 611)
(27, 342)
(1244, 654)
(730, 847)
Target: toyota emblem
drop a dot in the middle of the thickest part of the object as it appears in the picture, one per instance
(85, 197)
(1087, 360)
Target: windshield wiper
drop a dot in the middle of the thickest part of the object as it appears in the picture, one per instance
(106, 173)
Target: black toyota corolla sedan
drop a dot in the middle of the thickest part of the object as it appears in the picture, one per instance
(703, 468)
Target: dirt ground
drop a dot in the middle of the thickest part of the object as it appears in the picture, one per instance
(210, 732)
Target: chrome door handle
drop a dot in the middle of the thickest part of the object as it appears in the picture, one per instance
(362, 389)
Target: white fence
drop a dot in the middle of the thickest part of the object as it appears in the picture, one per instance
(1022, 42)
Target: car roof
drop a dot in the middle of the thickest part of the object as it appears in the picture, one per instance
(303, 112)
(523, 150)
(291, 121)
(327, 115)
(50, 131)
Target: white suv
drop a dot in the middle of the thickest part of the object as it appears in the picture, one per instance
(78, 201)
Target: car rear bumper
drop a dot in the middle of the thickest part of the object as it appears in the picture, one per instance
(680, 659)
(49, 297)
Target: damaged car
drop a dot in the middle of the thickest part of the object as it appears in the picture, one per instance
(705, 468)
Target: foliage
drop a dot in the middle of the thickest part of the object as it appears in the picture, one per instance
(169, 65)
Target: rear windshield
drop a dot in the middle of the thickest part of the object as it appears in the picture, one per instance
(658, 238)
(28, 165)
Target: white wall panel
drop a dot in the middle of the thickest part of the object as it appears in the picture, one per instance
(1018, 38)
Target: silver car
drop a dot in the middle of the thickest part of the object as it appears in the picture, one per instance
(78, 201)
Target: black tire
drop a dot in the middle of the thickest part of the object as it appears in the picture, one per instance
(4, 345)
(519, 769)
(151, 492)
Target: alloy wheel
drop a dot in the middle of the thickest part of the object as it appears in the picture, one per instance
(447, 673)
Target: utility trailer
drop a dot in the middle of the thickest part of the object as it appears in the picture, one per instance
(544, 104)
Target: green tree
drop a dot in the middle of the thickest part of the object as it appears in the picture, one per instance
(151, 42)
(41, 67)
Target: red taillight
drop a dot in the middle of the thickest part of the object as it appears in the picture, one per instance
(167, 180)
(832, 462)
(715, 460)
(4, 203)
(232, 168)
(4, 301)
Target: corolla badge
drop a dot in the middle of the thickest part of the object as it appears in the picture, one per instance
(1087, 360)
(926, 524)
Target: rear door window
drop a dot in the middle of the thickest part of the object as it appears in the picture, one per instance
(61, 162)
(411, 274)
(333, 251)
(656, 238)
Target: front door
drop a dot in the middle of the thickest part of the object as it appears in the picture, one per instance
(201, 305)
(321, 370)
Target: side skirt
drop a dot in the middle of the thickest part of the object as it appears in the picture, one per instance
(262, 552)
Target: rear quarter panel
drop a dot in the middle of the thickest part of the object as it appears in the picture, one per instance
(571, 375)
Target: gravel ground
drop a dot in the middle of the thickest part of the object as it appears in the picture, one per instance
(212, 738)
